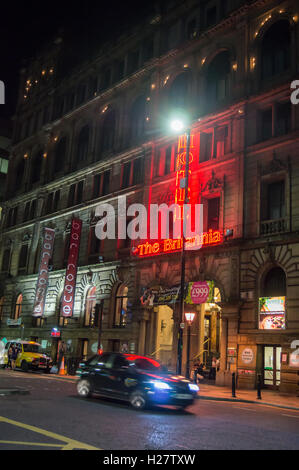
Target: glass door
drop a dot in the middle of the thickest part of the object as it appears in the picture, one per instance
(272, 366)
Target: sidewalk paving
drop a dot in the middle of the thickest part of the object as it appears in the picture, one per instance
(269, 397)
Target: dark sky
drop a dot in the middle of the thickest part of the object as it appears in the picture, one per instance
(25, 26)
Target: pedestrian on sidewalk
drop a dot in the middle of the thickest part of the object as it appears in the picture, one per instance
(212, 375)
(9, 354)
(14, 356)
(61, 354)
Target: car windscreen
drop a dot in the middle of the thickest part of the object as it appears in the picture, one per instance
(145, 364)
(31, 348)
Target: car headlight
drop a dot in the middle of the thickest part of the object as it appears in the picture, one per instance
(161, 386)
(193, 388)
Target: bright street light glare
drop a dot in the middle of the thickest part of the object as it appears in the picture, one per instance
(177, 125)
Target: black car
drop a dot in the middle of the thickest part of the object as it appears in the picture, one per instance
(139, 380)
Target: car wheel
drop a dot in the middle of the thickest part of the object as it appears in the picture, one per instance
(84, 388)
(138, 400)
(24, 366)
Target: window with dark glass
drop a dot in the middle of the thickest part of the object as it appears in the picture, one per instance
(23, 258)
(126, 175)
(133, 61)
(206, 146)
(36, 168)
(218, 78)
(83, 144)
(108, 131)
(26, 212)
(95, 247)
(274, 283)
(19, 174)
(106, 80)
(266, 124)
(101, 184)
(191, 29)
(32, 209)
(90, 305)
(60, 155)
(213, 213)
(81, 93)
(148, 49)
(178, 97)
(283, 118)
(276, 50)
(276, 200)
(168, 161)
(221, 141)
(211, 16)
(137, 119)
(6, 260)
(138, 171)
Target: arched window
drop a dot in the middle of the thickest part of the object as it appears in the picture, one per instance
(83, 144)
(108, 131)
(36, 168)
(137, 119)
(218, 77)
(276, 50)
(121, 307)
(179, 92)
(18, 307)
(90, 305)
(60, 155)
(274, 283)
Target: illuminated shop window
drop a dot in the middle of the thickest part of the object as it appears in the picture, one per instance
(90, 305)
(121, 307)
(18, 307)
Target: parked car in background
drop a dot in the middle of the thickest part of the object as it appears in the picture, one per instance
(139, 380)
(30, 356)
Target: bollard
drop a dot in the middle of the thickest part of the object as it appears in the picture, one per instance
(259, 386)
(234, 385)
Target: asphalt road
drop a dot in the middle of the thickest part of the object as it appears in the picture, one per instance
(53, 417)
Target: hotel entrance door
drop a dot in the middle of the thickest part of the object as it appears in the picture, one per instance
(272, 366)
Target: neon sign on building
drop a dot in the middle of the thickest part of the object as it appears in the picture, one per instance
(172, 245)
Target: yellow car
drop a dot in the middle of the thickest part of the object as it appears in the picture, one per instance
(30, 356)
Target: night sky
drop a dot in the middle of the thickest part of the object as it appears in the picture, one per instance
(25, 26)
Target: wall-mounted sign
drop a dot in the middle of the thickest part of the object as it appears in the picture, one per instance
(43, 273)
(68, 296)
(200, 293)
(213, 237)
(247, 356)
(11, 322)
(55, 333)
(272, 313)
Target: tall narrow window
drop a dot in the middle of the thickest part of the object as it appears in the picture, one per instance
(90, 305)
(18, 307)
(6, 260)
(23, 258)
(276, 200)
(213, 213)
(206, 146)
(276, 50)
(121, 307)
(83, 143)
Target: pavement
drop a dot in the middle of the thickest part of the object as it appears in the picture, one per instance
(269, 397)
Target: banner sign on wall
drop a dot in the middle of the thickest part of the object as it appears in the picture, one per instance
(68, 296)
(196, 293)
(200, 293)
(43, 273)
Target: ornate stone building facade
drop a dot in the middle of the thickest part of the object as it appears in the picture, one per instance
(98, 133)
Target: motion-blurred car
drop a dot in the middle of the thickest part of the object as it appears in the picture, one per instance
(139, 380)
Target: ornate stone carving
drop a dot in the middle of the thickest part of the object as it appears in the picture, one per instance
(214, 184)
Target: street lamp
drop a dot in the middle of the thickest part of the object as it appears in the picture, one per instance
(189, 319)
(179, 125)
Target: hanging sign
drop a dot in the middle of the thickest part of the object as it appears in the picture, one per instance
(68, 297)
(200, 293)
(43, 273)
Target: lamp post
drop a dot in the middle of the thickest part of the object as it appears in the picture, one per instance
(178, 126)
(189, 319)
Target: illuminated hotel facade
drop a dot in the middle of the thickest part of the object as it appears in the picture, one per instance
(99, 133)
